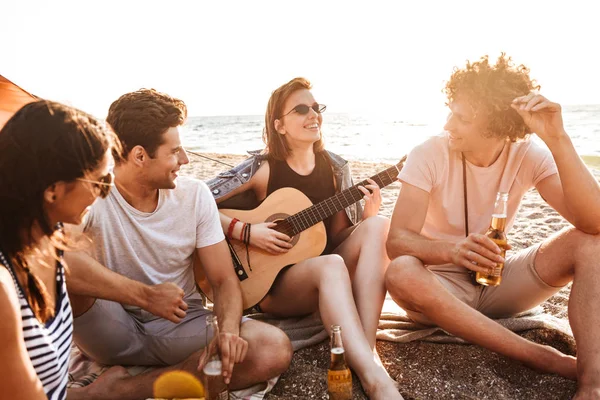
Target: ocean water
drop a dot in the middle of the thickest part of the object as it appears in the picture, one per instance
(367, 138)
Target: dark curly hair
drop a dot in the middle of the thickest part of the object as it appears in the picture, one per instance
(141, 118)
(490, 90)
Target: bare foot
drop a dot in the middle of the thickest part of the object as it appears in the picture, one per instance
(586, 393)
(384, 391)
(107, 386)
(380, 364)
(553, 361)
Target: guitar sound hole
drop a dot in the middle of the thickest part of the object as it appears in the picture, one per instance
(283, 226)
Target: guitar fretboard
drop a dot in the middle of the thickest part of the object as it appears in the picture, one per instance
(318, 212)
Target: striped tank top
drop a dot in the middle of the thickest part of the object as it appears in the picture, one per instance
(49, 344)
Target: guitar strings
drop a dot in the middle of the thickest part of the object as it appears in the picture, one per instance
(318, 212)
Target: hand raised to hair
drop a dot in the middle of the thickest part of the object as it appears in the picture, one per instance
(541, 115)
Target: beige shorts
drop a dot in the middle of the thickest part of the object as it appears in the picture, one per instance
(112, 335)
(521, 288)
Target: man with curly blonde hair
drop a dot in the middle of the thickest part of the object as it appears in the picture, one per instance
(449, 185)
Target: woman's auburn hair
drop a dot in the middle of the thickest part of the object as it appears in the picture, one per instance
(490, 89)
(276, 144)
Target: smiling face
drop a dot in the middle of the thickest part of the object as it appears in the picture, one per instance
(466, 131)
(161, 170)
(69, 201)
(299, 130)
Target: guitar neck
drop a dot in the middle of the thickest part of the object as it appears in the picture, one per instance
(326, 208)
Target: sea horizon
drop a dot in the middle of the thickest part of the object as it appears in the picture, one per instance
(370, 138)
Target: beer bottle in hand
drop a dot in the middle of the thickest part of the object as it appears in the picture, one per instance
(214, 386)
(498, 236)
(339, 377)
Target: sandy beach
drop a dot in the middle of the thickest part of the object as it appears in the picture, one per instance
(435, 371)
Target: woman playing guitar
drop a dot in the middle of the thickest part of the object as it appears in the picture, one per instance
(346, 282)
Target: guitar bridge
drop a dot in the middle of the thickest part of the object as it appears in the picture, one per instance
(237, 263)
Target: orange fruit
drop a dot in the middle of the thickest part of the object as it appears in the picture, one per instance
(177, 385)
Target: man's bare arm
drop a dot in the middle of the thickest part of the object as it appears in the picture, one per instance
(87, 277)
(574, 192)
(218, 269)
(578, 196)
(405, 238)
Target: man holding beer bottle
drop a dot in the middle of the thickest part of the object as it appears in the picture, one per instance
(449, 190)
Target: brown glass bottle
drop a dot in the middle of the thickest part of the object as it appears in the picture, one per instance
(339, 377)
(214, 385)
(498, 236)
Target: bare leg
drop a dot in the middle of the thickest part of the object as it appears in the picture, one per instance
(573, 255)
(323, 283)
(415, 288)
(269, 354)
(366, 258)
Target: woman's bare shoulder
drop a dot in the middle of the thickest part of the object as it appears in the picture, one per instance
(260, 180)
(9, 305)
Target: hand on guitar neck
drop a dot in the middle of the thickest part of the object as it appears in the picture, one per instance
(372, 198)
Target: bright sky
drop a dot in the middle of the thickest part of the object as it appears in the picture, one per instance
(225, 57)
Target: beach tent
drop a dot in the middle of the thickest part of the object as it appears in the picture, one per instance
(12, 98)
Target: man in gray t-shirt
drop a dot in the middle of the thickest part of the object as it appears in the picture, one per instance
(145, 235)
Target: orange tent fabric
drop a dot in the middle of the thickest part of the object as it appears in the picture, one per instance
(12, 98)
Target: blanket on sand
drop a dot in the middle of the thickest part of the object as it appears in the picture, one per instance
(394, 325)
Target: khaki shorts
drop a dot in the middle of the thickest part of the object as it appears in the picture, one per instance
(521, 288)
(110, 334)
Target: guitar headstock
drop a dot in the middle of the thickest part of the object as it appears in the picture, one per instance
(388, 176)
(400, 163)
(394, 171)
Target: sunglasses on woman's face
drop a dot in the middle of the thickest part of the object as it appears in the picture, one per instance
(303, 109)
(103, 185)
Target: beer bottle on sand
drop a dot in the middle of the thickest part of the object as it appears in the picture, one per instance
(498, 236)
(339, 377)
(214, 386)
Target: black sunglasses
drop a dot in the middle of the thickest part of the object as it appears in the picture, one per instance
(303, 109)
(103, 185)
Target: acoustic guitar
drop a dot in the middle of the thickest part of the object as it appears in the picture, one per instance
(296, 216)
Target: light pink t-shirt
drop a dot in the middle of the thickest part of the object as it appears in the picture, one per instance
(433, 167)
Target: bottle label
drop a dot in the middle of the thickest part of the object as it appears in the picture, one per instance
(339, 376)
(497, 271)
(339, 384)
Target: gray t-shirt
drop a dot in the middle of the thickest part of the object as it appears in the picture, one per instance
(155, 247)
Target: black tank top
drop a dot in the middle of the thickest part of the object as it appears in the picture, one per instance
(317, 186)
